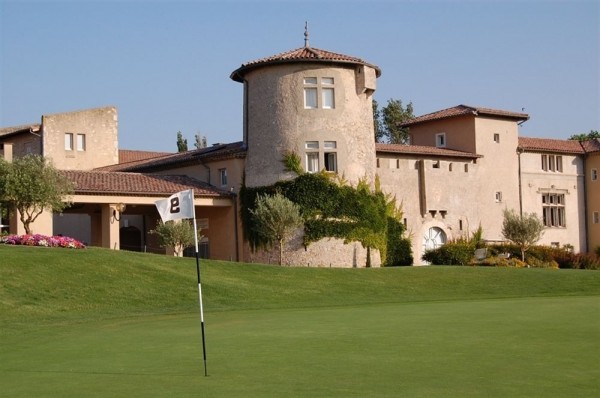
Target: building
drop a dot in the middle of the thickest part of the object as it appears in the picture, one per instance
(464, 167)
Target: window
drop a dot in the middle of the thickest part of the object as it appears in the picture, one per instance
(466, 167)
(378, 163)
(312, 89)
(223, 177)
(596, 217)
(312, 162)
(450, 166)
(497, 138)
(545, 162)
(310, 92)
(68, 141)
(397, 163)
(311, 145)
(594, 174)
(327, 93)
(81, 142)
(436, 164)
(331, 161)
(553, 209)
(552, 163)
(440, 140)
(498, 197)
(330, 155)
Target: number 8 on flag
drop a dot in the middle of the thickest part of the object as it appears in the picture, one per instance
(177, 207)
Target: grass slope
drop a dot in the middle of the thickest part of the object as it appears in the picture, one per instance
(96, 323)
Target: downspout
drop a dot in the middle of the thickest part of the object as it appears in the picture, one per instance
(585, 205)
(235, 227)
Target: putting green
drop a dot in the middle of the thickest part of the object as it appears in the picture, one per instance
(528, 347)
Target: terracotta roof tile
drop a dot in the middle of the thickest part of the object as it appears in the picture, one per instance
(137, 184)
(464, 110)
(550, 145)
(215, 152)
(126, 155)
(6, 131)
(302, 54)
(423, 150)
(591, 145)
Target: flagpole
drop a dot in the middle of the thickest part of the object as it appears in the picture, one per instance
(199, 285)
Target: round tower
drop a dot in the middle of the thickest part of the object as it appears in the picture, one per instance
(314, 103)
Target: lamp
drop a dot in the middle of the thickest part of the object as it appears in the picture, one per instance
(118, 210)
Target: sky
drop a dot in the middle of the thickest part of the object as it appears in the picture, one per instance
(165, 65)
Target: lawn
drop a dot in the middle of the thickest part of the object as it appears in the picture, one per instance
(97, 323)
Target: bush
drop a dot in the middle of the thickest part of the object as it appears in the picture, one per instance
(399, 253)
(513, 262)
(587, 261)
(454, 253)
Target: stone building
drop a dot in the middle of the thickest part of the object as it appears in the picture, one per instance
(464, 167)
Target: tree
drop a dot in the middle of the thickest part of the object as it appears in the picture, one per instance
(31, 185)
(276, 218)
(387, 122)
(178, 235)
(584, 137)
(524, 231)
(200, 141)
(379, 133)
(181, 143)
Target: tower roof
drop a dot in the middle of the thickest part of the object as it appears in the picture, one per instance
(304, 54)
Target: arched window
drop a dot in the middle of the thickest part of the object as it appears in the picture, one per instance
(433, 238)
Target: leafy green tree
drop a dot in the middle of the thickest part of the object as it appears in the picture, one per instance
(584, 137)
(276, 218)
(387, 121)
(31, 184)
(176, 234)
(181, 143)
(524, 231)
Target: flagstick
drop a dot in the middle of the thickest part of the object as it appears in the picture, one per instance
(199, 287)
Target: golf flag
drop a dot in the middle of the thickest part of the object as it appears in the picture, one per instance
(178, 206)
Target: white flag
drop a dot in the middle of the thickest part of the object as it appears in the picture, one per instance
(178, 206)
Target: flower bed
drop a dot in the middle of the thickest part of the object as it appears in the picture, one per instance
(42, 240)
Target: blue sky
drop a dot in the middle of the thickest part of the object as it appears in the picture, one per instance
(166, 64)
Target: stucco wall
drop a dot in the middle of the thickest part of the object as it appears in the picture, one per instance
(535, 182)
(100, 127)
(440, 197)
(278, 122)
(593, 199)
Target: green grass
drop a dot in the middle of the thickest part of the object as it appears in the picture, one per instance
(98, 323)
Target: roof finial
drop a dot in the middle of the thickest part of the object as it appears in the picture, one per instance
(306, 44)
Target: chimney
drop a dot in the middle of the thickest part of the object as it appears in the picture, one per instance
(6, 150)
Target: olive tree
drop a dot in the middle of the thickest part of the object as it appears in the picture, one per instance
(176, 234)
(523, 230)
(276, 218)
(31, 184)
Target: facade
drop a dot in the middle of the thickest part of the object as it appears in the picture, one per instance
(464, 167)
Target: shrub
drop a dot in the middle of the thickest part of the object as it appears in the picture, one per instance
(453, 253)
(587, 261)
